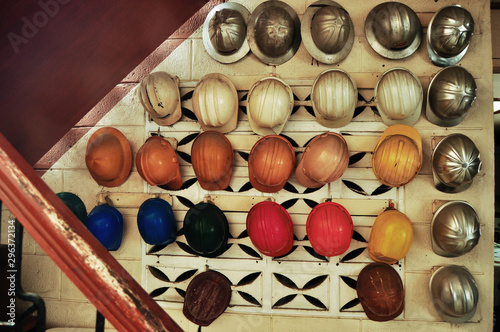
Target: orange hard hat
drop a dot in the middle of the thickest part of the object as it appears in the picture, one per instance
(324, 160)
(397, 158)
(108, 157)
(212, 157)
(157, 163)
(270, 163)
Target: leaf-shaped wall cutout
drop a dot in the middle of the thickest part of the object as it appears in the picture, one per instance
(188, 114)
(244, 97)
(305, 238)
(350, 304)
(186, 248)
(315, 302)
(295, 108)
(375, 110)
(243, 155)
(249, 278)
(356, 236)
(186, 275)
(229, 189)
(184, 201)
(353, 254)
(288, 253)
(361, 98)
(187, 96)
(183, 155)
(313, 253)
(156, 248)
(315, 282)
(382, 189)
(289, 139)
(158, 291)
(158, 274)
(356, 157)
(180, 232)
(188, 183)
(249, 251)
(284, 300)
(246, 187)
(181, 292)
(309, 141)
(349, 281)
(289, 187)
(288, 204)
(311, 190)
(285, 281)
(199, 328)
(187, 139)
(354, 187)
(243, 234)
(249, 298)
(358, 111)
(309, 109)
(310, 203)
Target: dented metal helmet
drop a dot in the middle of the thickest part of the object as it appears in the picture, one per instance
(393, 30)
(270, 163)
(455, 163)
(380, 292)
(399, 96)
(397, 157)
(324, 160)
(334, 95)
(207, 297)
(455, 229)
(108, 157)
(449, 34)
(212, 157)
(451, 94)
(454, 293)
(327, 31)
(159, 95)
(215, 103)
(274, 32)
(225, 32)
(270, 104)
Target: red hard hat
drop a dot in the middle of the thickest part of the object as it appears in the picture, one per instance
(329, 229)
(270, 228)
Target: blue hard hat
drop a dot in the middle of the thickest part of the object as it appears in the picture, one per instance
(106, 224)
(156, 222)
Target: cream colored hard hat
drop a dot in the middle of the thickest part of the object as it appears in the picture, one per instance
(215, 103)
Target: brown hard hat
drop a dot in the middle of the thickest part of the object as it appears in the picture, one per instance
(270, 164)
(380, 292)
(324, 160)
(207, 297)
(212, 157)
(108, 157)
(157, 163)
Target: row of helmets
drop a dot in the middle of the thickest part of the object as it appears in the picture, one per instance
(398, 98)
(273, 32)
(396, 160)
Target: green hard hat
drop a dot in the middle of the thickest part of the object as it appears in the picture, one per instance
(75, 204)
(206, 229)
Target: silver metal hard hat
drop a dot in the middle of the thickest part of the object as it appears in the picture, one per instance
(393, 30)
(274, 32)
(327, 31)
(451, 93)
(449, 34)
(454, 293)
(455, 229)
(455, 163)
(225, 32)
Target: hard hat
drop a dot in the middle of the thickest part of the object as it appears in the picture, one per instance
(273, 32)
(329, 229)
(393, 30)
(215, 103)
(391, 237)
(108, 157)
(157, 163)
(324, 160)
(156, 222)
(206, 229)
(327, 31)
(270, 163)
(454, 293)
(106, 224)
(455, 163)
(334, 95)
(451, 93)
(207, 297)
(75, 204)
(399, 96)
(449, 34)
(380, 292)
(270, 228)
(212, 157)
(160, 97)
(270, 104)
(455, 229)
(225, 32)
(397, 157)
